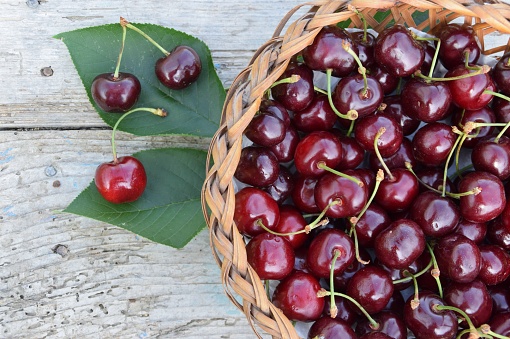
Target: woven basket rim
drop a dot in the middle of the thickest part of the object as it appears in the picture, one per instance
(241, 283)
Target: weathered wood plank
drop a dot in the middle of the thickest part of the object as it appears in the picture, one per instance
(232, 29)
(64, 276)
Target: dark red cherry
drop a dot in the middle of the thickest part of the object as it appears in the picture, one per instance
(319, 147)
(322, 249)
(426, 322)
(484, 115)
(295, 96)
(403, 155)
(257, 166)
(433, 177)
(469, 93)
(341, 280)
(180, 68)
(456, 41)
(351, 196)
(317, 116)
(493, 156)
(401, 243)
(291, 220)
(430, 51)
(365, 42)
(271, 256)
(498, 233)
(500, 324)
(393, 107)
(390, 324)
(115, 95)
(251, 206)
(475, 231)
(282, 187)
(121, 181)
(495, 264)
(326, 52)
(344, 310)
(372, 287)
(397, 193)
(458, 258)
(485, 205)
(327, 327)
(367, 128)
(426, 101)
(353, 153)
(296, 296)
(303, 194)
(501, 108)
(284, 151)
(398, 52)
(276, 109)
(350, 94)
(436, 215)
(472, 298)
(372, 222)
(266, 130)
(388, 82)
(500, 295)
(433, 143)
(501, 74)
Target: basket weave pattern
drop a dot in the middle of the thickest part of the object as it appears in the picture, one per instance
(241, 283)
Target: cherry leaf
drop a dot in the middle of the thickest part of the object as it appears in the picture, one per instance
(194, 110)
(169, 211)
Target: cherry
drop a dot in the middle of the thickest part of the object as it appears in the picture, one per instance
(272, 107)
(500, 295)
(253, 205)
(469, 93)
(492, 154)
(291, 221)
(436, 215)
(282, 187)
(498, 233)
(397, 193)
(426, 101)
(501, 108)
(430, 51)
(341, 280)
(351, 94)
(501, 74)
(319, 147)
(257, 166)
(326, 52)
(350, 196)
(398, 52)
(327, 327)
(389, 83)
(495, 264)
(472, 298)
(425, 321)
(401, 243)
(115, 93)
(296, 296)
(303, 194)
(390, 324)
(284, 151)
(179, 68)
(317, 116)
(352, 152)
(266, 130)
(365, 42)
(372, 222)
(368, 128)
(403, 155)
(297, 95)
(321, 251)
(500, 324)
(472, 230)
(271, 256)
(344, 310)
(393, 106)
(396, 303)
(485, 205)
(458, 258)
(433, 143)
(371, 286)
(457, 41)
(483, 115)
(122, 180)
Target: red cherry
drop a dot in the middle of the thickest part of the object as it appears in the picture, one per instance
(180, 68)
(115, 94)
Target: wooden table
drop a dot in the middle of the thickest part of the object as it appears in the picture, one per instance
(64, 276)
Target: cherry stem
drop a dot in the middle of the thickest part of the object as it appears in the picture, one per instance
(457, 153)
(346, 45)
(496, 94)
(435, 272)
(463, 314)
(434, 59)
(308, 228)
(472, 335)
(378, 178)
(157, 111)
(416, 299)
(373, 324)
(420, 273)
(477, 71)
(126, 23)
(380, 132)
(333, 309)
(354, 234)
(500, 134)
(362, 18)
(445, 171)
(352, 114)
(267, 289)
(486, 330)
(117, 67)
(320, 90)
(323, 166)
(351, 128)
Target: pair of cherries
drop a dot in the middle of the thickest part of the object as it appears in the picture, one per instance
(124, 179)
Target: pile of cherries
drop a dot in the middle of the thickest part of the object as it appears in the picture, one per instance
(124, 178)
(378, 204)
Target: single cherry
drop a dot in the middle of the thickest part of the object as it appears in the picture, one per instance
(254, 206)
(372, 287)
(458, 258)
(271, 256)
(257, 166)
(327, 327)
(179, 68)
(296, 95)
(115, 93)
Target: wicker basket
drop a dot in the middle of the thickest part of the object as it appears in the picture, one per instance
(242, 285)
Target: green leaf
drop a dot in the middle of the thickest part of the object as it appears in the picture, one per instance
(169, 211)
(195, 110)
